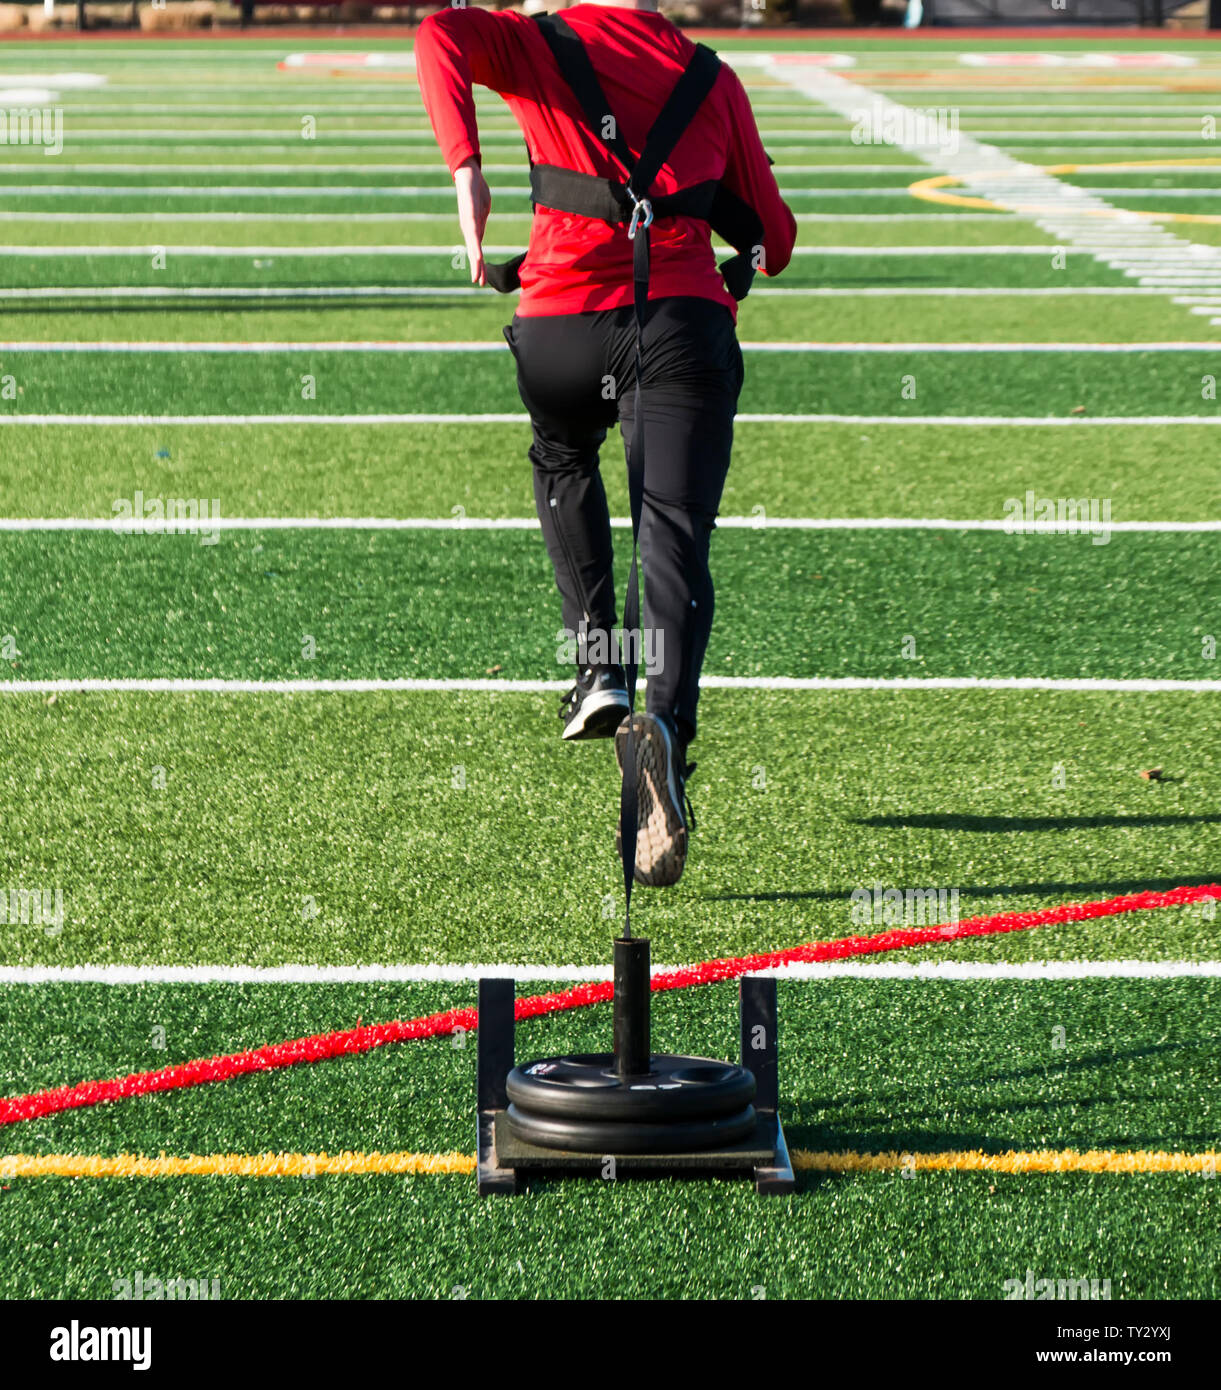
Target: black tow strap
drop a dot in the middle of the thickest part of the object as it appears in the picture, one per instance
(694, 84)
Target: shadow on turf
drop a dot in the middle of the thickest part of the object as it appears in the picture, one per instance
(862, 1133)
(1005, 824)
(1107, 886)
(895, 1130)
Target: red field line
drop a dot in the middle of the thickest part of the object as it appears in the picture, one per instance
(322, 1046)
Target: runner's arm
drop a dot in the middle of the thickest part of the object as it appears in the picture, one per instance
(454, 50)
(748, 174)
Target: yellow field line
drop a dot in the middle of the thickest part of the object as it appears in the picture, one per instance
(1031, 1161)
(929, 190)
(932, 191)
(294, 1165)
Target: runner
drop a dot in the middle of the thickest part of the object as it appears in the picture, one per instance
(620, 274)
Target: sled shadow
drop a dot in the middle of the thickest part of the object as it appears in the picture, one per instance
(810, 1123)
(987, 890)
(1006, 824)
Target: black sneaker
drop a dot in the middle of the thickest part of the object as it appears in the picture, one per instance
(595, 706)
(664, 814)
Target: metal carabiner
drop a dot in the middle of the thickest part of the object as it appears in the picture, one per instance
(639, 204)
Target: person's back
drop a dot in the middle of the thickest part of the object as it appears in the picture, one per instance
(574, 263)
(621, 198)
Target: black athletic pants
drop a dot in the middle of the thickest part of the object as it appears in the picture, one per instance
(576, 376)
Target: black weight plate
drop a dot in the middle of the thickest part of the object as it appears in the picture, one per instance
(585, 1086)
(629, 1136)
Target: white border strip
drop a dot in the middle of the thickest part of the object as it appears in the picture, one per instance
(347, 218)
(525, 523)
(357, 292)
(397, 249)
(442, 345)
(520, 418)
(240, 292)
(189, 685)
(577, 974)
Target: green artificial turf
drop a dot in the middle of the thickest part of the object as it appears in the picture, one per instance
(479, 316)
(314, 381)
(457, 827)
(977, 1065)
(954, 1236)
(795, 469)
(901, 1065)
(438, 604)
(442, 229)
(169, 272)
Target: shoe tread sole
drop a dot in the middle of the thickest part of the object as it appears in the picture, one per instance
(661, 837)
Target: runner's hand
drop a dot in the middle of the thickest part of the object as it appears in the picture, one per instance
(474, 204)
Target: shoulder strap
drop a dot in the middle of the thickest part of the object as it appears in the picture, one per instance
(576, 69)
(695, 82)
(693, 85)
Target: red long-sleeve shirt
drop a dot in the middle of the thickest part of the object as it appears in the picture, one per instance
(578, 263)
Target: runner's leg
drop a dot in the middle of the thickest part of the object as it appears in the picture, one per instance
(693, 374)
(561, 362)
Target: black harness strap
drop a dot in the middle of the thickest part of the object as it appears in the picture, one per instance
(695, 82)
(505, 276)
(613, 201)
(740, 225)
(576, 69)
(566, 190)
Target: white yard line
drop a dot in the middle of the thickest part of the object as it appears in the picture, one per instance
(238, 292)
(347, 218)
(1144, 191)
(414, 129)
(930, 971)
(448, 249)
(904, 347)
(1069, 212)
(185, 685)
(939, 292)
(526, 523)
(411, 107)
(357, 191)
(999, 970)
(1046, 89)
(243, 190)
(411, 115)
(284, 252)
(1008, 421)
(378, 167)
(795, 156)
(1025, 109)
(407, 346)
(491, 114)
